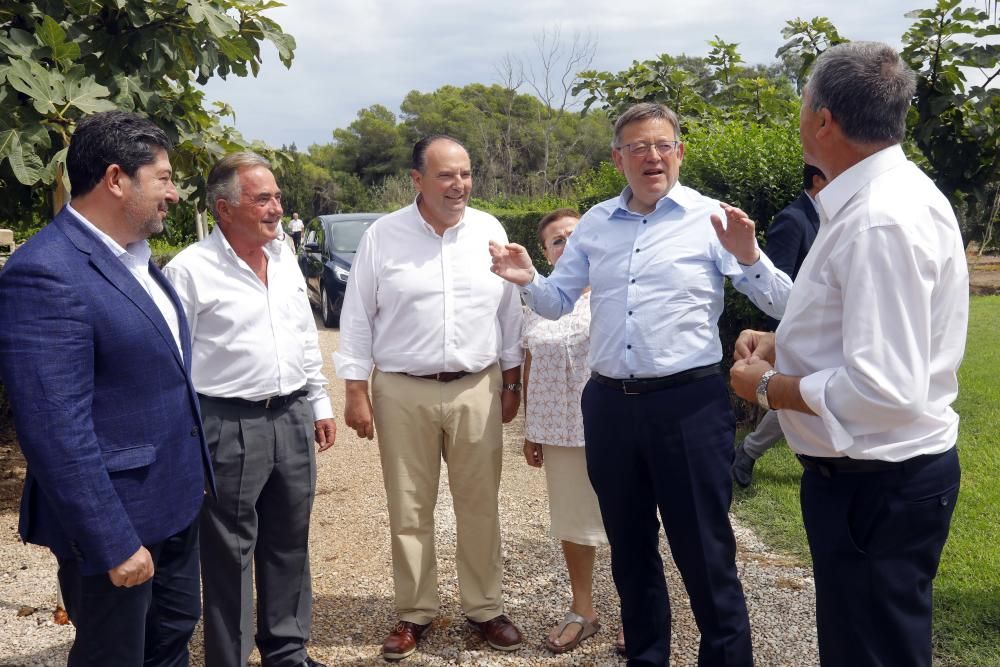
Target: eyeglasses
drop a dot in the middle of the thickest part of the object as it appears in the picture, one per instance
(663, 148)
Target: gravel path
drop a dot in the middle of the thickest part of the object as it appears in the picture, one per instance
(352, 581)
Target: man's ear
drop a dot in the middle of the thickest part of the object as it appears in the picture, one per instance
(114, 180)
(617, 158)
(417, 178)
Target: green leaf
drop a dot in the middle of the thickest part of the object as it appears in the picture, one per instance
(18, 43)
(50, 32)
(24, 162)
(36, 82)
(88, 96)
(218, 22)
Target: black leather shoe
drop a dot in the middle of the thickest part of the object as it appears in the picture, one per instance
(309, 662)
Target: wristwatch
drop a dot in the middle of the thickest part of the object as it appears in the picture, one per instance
(513, 386)
(762, 388)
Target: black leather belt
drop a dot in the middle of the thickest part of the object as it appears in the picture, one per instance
(272, 403)
(444, 376)
(842, 465)
(646, 385)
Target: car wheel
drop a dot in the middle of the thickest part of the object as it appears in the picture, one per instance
(331, 315)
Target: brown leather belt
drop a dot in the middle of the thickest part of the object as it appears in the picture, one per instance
(444, 376)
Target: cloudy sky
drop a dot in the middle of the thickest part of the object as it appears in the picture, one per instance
(351, 55)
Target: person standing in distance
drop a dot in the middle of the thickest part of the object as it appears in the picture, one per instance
(789, 237)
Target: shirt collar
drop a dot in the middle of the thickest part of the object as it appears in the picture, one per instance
(677, 196)
(137, 252)
(840, 190)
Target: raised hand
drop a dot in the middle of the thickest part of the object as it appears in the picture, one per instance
(512, 262)
(737, 235)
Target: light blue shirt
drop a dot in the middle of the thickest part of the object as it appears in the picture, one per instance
(657, 284)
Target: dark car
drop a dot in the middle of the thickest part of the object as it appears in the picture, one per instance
(325, 258)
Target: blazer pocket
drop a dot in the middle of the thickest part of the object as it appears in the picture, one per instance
(129, 458)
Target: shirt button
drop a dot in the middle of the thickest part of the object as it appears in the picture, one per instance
(643, 222)
(630, 312)
(758, 275)
(633, 280)
(194, 432)
(628, 347)
(637, 250)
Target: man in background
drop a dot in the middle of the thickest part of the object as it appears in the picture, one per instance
(789, 237)
(295, 227)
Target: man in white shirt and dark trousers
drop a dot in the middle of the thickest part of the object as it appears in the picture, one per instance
(867, 357)
(658, 424)
(258, 371)
(439, 335)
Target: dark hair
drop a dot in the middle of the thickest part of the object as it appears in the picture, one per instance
(418, 160)
(111, 137)
(867, 88)
(556, 215)
(645, 111)
(808, 173)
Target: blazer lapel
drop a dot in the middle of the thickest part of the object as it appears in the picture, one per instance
(115, 272)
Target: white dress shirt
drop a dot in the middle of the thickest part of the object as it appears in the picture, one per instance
(422, 303)
(136, 259)
(249, 340)
(876, 322)
(657, 284)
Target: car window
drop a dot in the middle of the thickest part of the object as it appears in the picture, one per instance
(311, 229)
(345, 235)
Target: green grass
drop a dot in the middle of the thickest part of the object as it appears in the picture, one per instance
(967, 589)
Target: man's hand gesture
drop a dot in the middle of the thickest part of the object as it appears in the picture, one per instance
(738, 235)
(511, 262)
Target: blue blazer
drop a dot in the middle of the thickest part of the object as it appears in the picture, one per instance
(789, 237)
(791, 234)
(103, 404)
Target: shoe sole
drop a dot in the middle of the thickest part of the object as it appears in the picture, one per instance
(512, 647)
(396, 657)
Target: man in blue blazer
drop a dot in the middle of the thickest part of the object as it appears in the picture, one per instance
(95, 357)
(789, 237)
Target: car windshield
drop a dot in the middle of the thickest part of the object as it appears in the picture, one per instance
(345, 236)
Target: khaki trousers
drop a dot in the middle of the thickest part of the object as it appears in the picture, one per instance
(419, 423)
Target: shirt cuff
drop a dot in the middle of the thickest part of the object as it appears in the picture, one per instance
(349, 368)
(813, 390)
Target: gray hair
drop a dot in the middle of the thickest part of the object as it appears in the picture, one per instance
(223, 181)
(867, 88)
(645, 111)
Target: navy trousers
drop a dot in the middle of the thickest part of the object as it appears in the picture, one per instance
(876, 540)
(669, 451)
(147, 625)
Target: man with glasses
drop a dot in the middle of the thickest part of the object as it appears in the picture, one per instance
(658, 425)
(258, 372)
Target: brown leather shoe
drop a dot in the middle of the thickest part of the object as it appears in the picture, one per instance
(402, 641)
(499, 632)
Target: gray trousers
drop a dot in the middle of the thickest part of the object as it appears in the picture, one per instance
(767, 433)
(265, 473)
